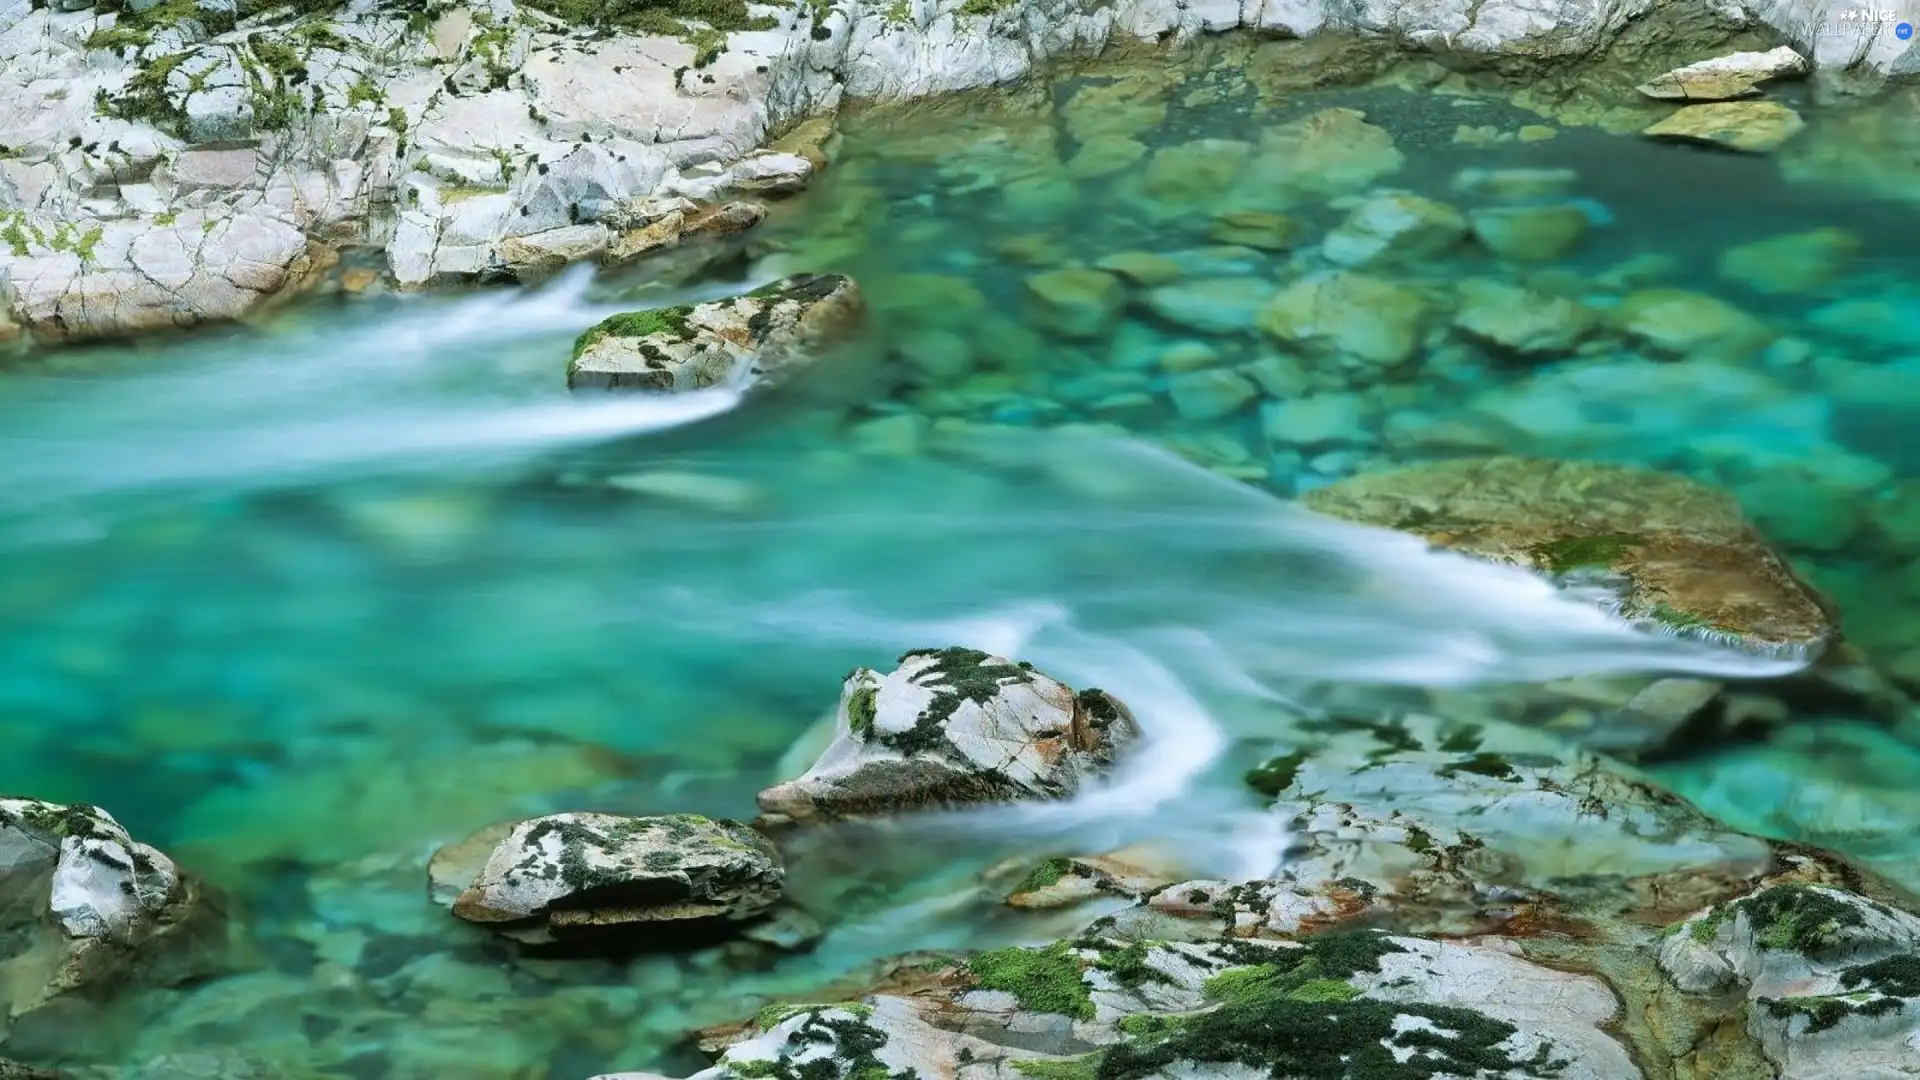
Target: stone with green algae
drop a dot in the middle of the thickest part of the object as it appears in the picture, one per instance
(1680, 554)
(1754, 127)
(1370, 321)
(1792, 263)
(1077, 302)
(1520, 320)
(1395, 227)
(1530, 233)
(1682, 323)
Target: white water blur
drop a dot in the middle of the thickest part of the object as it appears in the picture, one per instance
(438, 384)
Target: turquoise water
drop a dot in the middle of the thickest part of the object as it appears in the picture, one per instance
(300, 602)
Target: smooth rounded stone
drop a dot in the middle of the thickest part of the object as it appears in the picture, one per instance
(1680, 323)
(1259, 229)
(1330, 152)
(1520, 320)
(1213, 305)
(1678, 555)
(1133, 872)
(1725, 78)
(91, 912)
(1369, 320)
(1209, 395)
(1193, 174)
(761, 337)
(942, 354)
(1142, 268)
(771, 172)
(587, 876)
(1752, 127)
(1794, 263)
(1530, 233)
(1826, 973)
(1315, 421)
(953, 726)
(1514, 183)
(1190, 356)
(1394, 228)
(1105, 155)
(1078, 303)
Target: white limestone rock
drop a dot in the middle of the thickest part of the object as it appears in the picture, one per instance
(763, 336)
(568, 877)
(954, 726)
(1833, 977)
(1724, 78)
(91, 909)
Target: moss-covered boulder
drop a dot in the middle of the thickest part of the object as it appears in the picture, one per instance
(584, 877)
(1830, 979)
(953, 726)
(1677, 555)
(1355, 1005)
(90, 912)
(759, 337)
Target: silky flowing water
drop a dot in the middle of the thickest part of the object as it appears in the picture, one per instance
(298, 603)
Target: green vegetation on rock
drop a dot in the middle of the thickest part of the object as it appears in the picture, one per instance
(636, 324)
(1045, 980)
(1046, 874)
(854, 1043)
(1582, 552)
(957, 676)
(1085, 1067)
(861, 712)
(1276, 775)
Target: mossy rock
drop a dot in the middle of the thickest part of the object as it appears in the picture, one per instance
(1680, 553)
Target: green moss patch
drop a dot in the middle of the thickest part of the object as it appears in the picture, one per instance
(1276, 775)
(636, 324)
(1584, 552)
(1085, 1067)
(955, 677)
(1798, 917)
(1483, 764)
(862, 712)
(1045, 875)
(1047, 980)
(854, 1043)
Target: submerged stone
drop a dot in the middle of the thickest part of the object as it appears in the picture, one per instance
(1530, 233)
(1369, 320)
(1394, 228)
(1754, 127)
(1261, 229)
(953, 726)
(91, 912)
(759, 337)
(1331, 152)
(1724, 78)
(1680, 323)
(1075, 302)
(605, 878)
(1794, 263)
(1223, 305)
(1677, 554)
(1519, 319)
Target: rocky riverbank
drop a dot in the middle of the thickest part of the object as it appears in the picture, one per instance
(167, 164)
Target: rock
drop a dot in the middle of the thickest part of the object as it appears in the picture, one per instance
(93, 912)
(1061, 882)
(1394, 228)
(1678, 554)
(1520, 320)
(1105, 155)
(1209, 395)
(1331, 152)
(1188, 175)
(605, 878)
(1794, 263)
(1077, 303)
(953, 726)
(1530, 233)
(1220, 1008)
(1514, 183)
(1724, 78)
(1368, 320)
(648, 228)
(1143, 268)
(1679, 323)
(1828, 977)
(525, 258)
(1316, 421)
(1211, 305)
(764, 336)
(1753, 127)
(1260, 229)
(771, 172)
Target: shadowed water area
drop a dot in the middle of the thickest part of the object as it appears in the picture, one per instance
(301, 602)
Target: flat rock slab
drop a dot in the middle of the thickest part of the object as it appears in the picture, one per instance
(1725, 78)
(758, 337)
(1680, 555)
(1753, 127)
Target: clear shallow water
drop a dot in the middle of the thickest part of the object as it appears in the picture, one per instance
(300, 603)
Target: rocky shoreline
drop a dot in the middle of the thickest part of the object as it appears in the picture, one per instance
(170, 164)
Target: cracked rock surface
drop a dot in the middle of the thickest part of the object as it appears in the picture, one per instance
(569, 877)
(954, 726)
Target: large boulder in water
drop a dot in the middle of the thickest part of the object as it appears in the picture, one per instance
(1678, 555)
(585, 877)
(953, 726)
(90, 911)
(758, 337)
